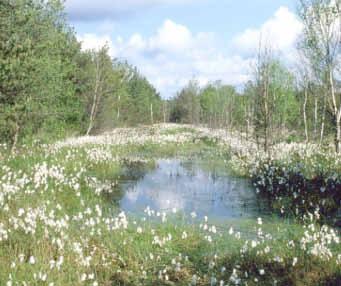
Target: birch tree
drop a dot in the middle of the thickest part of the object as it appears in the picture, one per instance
(102, 83)
(322, 37)
(263, 97)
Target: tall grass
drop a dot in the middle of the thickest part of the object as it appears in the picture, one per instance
(57, 227)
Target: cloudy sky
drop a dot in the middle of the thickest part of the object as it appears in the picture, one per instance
(173, 41)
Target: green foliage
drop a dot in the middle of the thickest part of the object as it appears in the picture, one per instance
(48, 86)
(220, 105)
(71, 229)
(300, 184)
(186, 106)
(37, 69)
(130, 100)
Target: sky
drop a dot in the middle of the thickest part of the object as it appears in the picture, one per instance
(174, 41)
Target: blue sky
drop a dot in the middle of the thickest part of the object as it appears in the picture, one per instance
(173, 41)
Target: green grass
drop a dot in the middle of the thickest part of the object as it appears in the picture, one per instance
(62, 219)
(178, 130)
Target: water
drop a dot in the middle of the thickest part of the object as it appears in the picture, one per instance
(187, 187)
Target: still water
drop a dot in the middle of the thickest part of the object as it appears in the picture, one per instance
(189, 187)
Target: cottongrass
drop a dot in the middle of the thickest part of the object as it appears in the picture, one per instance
(57, 228)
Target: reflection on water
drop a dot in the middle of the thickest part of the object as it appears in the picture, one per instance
(186, 187)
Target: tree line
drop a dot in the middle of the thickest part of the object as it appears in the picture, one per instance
(278, 103)
(49, 86)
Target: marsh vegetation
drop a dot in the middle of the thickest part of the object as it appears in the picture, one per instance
(114, 210)
(103, 181)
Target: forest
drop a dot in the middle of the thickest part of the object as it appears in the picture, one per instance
(49, 86)
(105, 181)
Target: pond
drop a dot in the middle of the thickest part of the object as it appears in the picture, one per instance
(191, 187)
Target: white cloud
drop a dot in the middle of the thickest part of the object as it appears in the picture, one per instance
(280, 32)
(171, 37)
(81, 10)
(94, 42)
(173, 54)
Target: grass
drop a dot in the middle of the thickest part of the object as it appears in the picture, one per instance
(301, 184)
(57, 227)
(178, 130)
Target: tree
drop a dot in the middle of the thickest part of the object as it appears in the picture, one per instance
(37, 68)
(275, 105)
(264, 98)
(102, 83)
(322, 47)
(186, 108)
(248, 95)
(143, 103)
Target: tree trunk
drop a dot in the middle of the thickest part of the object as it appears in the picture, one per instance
(92, 114)
(15, 137)
(337, 113)
(118, 108)
(95, 99)
(164, 112)
(338, 136)
(266, 117)
(323, 118)
(315, 117)
(305, 114)
(151, 114)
